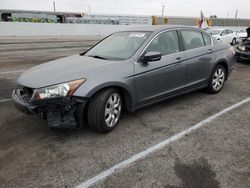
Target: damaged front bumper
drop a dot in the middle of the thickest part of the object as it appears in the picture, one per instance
(59, 112)
(21, 103)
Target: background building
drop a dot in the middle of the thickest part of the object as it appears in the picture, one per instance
(110, 19)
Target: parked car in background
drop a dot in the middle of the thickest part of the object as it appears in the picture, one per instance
(243, 50)
(224, 35)
(127, 70)
(241, 34)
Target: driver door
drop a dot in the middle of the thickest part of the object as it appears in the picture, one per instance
(159, 79)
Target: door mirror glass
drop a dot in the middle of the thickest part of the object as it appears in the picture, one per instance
(152, 56)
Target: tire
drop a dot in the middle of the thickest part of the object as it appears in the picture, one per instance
(104, 111)
(233, 41)
(217, 79)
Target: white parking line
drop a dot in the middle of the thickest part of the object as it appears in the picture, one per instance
(4, 100)
(156, 147)
(11, 72)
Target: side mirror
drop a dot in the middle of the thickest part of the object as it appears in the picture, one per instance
(152, 56)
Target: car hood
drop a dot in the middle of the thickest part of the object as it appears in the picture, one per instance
(61, 70)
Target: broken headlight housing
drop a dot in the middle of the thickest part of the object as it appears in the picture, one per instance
(59, 90)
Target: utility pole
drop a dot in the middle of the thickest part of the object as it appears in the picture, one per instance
(54, 6)
(236, 13)
(162, 10)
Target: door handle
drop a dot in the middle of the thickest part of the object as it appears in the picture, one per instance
(210, 51)
(178, 59)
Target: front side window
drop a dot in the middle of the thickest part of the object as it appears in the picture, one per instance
(166, 43)
(192, 39)
(119, 46)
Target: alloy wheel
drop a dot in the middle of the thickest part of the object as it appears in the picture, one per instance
(112, 109)
(218, 79)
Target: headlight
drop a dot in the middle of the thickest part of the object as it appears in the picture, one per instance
(242, 48)
(60, 90)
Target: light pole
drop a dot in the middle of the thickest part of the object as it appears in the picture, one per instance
(236, 13)
(162, 10)
(54, 6)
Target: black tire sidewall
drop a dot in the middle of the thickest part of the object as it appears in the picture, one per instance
(103, 97)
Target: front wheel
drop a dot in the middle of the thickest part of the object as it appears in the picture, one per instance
(217, 79)
(104, 110)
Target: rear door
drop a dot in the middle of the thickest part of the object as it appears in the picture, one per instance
(158, 79)
(198, 56)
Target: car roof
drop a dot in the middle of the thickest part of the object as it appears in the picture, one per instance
(157, 28)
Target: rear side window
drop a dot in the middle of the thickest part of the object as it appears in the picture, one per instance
(166, 43)
(207, 39)
(192, 39)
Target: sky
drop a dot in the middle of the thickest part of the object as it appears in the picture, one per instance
(192, 8)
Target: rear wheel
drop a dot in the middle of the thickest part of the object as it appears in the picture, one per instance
(104, 110)
(217, 79)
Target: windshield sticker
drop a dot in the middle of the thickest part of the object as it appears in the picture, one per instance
(137, 35)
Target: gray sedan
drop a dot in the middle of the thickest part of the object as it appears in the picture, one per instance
(128, 70)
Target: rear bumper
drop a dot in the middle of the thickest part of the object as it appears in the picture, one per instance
(60, 112)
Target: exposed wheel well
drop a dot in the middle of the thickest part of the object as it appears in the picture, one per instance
(81, 116)
(126, 97)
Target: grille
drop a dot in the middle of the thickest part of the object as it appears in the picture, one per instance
(60, 101)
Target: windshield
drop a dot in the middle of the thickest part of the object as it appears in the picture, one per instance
(214, 32)
(118, 46)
